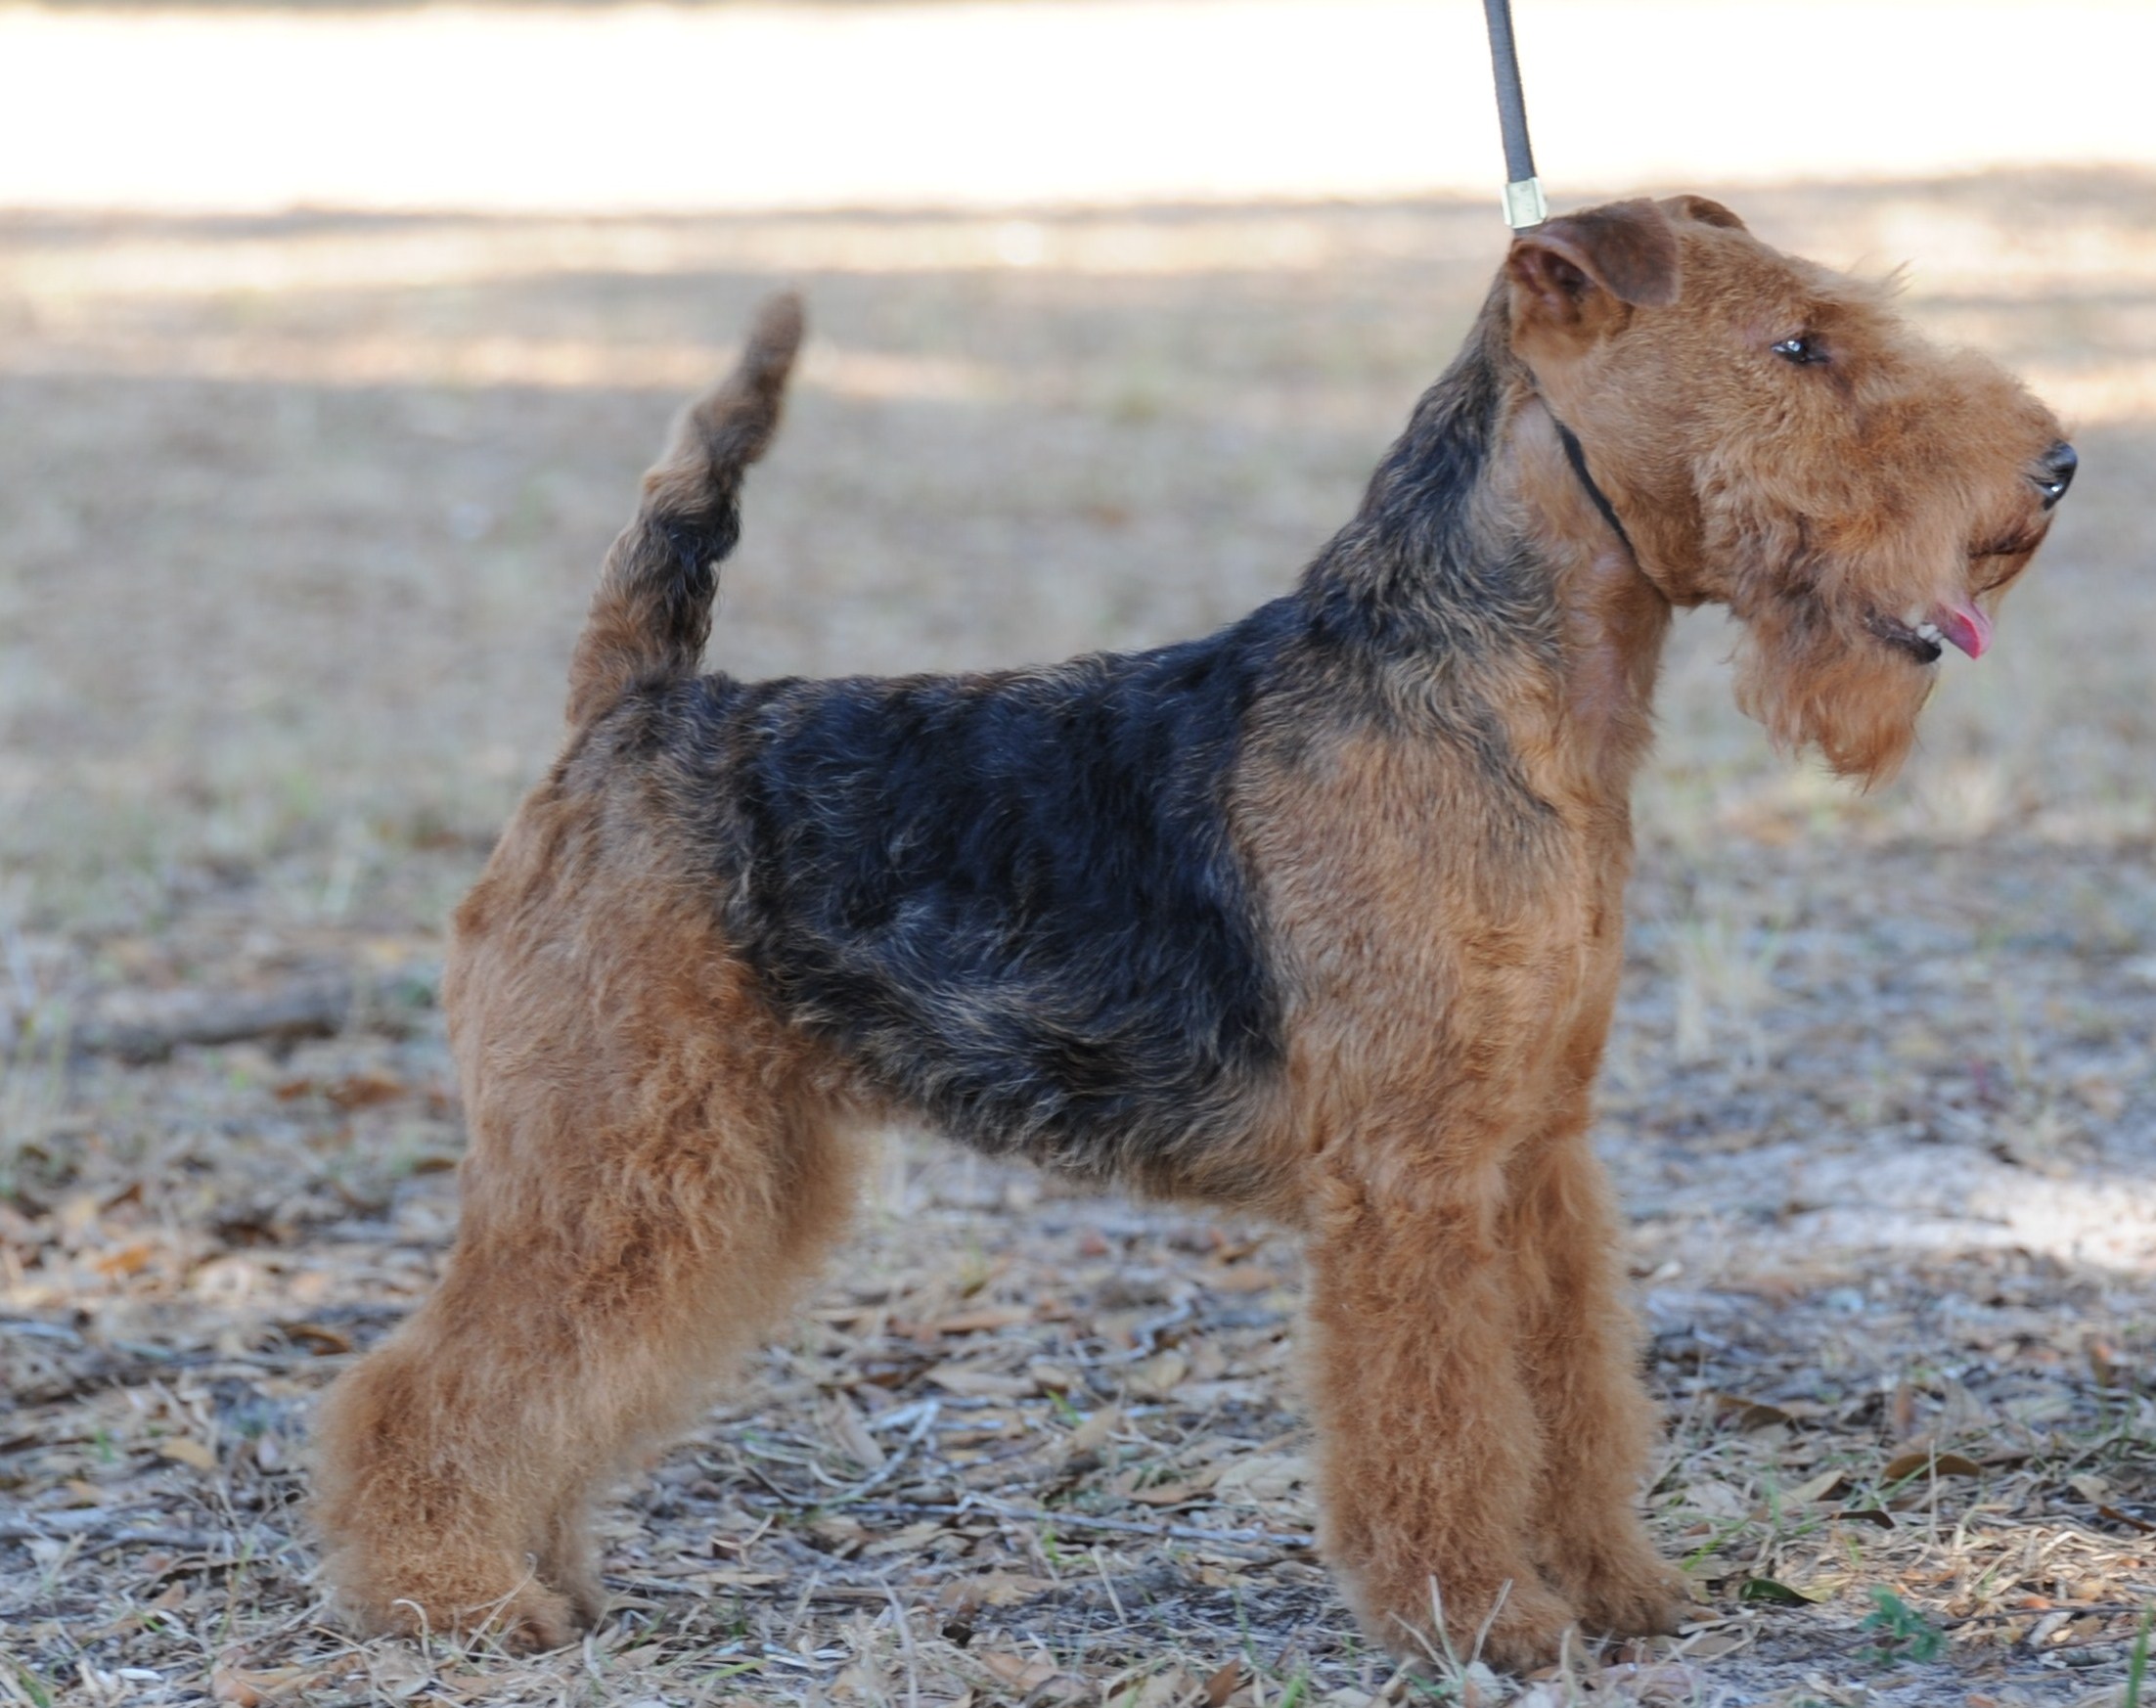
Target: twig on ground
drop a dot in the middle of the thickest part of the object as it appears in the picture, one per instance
(1085, 1521)
(286, 1016)
(930, 1410)
(92, 1528)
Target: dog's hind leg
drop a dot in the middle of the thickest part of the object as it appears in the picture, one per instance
(642, 1196)
(642, 1190)
(457, 1463)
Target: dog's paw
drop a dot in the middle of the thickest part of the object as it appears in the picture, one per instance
(573, 1571)
(1641, 1598)
(532, 1621)
(522, 1616)
(1527, 1633)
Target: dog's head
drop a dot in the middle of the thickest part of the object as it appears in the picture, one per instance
(1775, 439)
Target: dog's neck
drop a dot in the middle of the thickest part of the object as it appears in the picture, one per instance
(1482, 573)
(1612, 620)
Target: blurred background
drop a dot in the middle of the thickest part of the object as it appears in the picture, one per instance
(334, 335)
(333, 340)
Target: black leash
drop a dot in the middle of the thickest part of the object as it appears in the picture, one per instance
(1523, 199)
(1524, 209)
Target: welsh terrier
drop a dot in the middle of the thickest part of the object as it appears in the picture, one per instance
(1318, 917)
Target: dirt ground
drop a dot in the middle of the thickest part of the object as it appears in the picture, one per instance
(297, 518)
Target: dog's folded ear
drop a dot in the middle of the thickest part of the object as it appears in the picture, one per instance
(1705, 210)
(1568, 273)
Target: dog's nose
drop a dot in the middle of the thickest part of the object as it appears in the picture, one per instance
(2056, 474)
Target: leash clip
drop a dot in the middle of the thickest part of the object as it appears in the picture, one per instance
(1524, 205)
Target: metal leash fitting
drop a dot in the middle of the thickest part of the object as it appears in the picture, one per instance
(1524, 205)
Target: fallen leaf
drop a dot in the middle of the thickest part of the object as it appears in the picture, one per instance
(313, 1339)
(1265, 1477)
(1945, 1464)
(1018, 1672)
(1633, 1682)
(851, 1432)
(1244, 1278)
(1716, 1501)
(229, 1685)
(1749, 1415)
(991, 1590)
(1222, 1684)
(986, 1317)
(364, 1090)
(1819, 1488)
(1165, 1495)
(1168, 1688)
(188, 1452)
(244, 1689)
(398, 1673)
(1772, 1593)
(1158, 1377)
(1093, 1433)
(969, 1382)
(128, 1260)
(910, 1540)
(2048, 1627)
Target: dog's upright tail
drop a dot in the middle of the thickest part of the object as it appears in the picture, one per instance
(653, 611)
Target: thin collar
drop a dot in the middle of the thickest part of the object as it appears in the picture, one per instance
(1574, 455)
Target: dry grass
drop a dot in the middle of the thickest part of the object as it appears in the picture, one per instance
(301, 516)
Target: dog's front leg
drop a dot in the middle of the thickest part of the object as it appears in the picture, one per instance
(1430, 1445)
(1580, 1347)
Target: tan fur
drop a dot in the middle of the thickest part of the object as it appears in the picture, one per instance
(1438, 847)
(650, 1177)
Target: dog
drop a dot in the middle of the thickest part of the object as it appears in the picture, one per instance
(1318, 917)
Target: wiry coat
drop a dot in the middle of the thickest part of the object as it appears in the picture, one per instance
(1320, 915)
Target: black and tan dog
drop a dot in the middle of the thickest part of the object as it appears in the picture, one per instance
(1320, 916)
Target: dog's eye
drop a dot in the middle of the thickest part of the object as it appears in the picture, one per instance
(1804, 349)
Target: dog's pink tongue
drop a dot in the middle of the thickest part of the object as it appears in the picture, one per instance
(1965, 626)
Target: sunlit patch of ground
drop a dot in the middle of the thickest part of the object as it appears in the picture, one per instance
(301, 516)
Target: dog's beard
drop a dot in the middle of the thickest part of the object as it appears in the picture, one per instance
(1824, 680)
